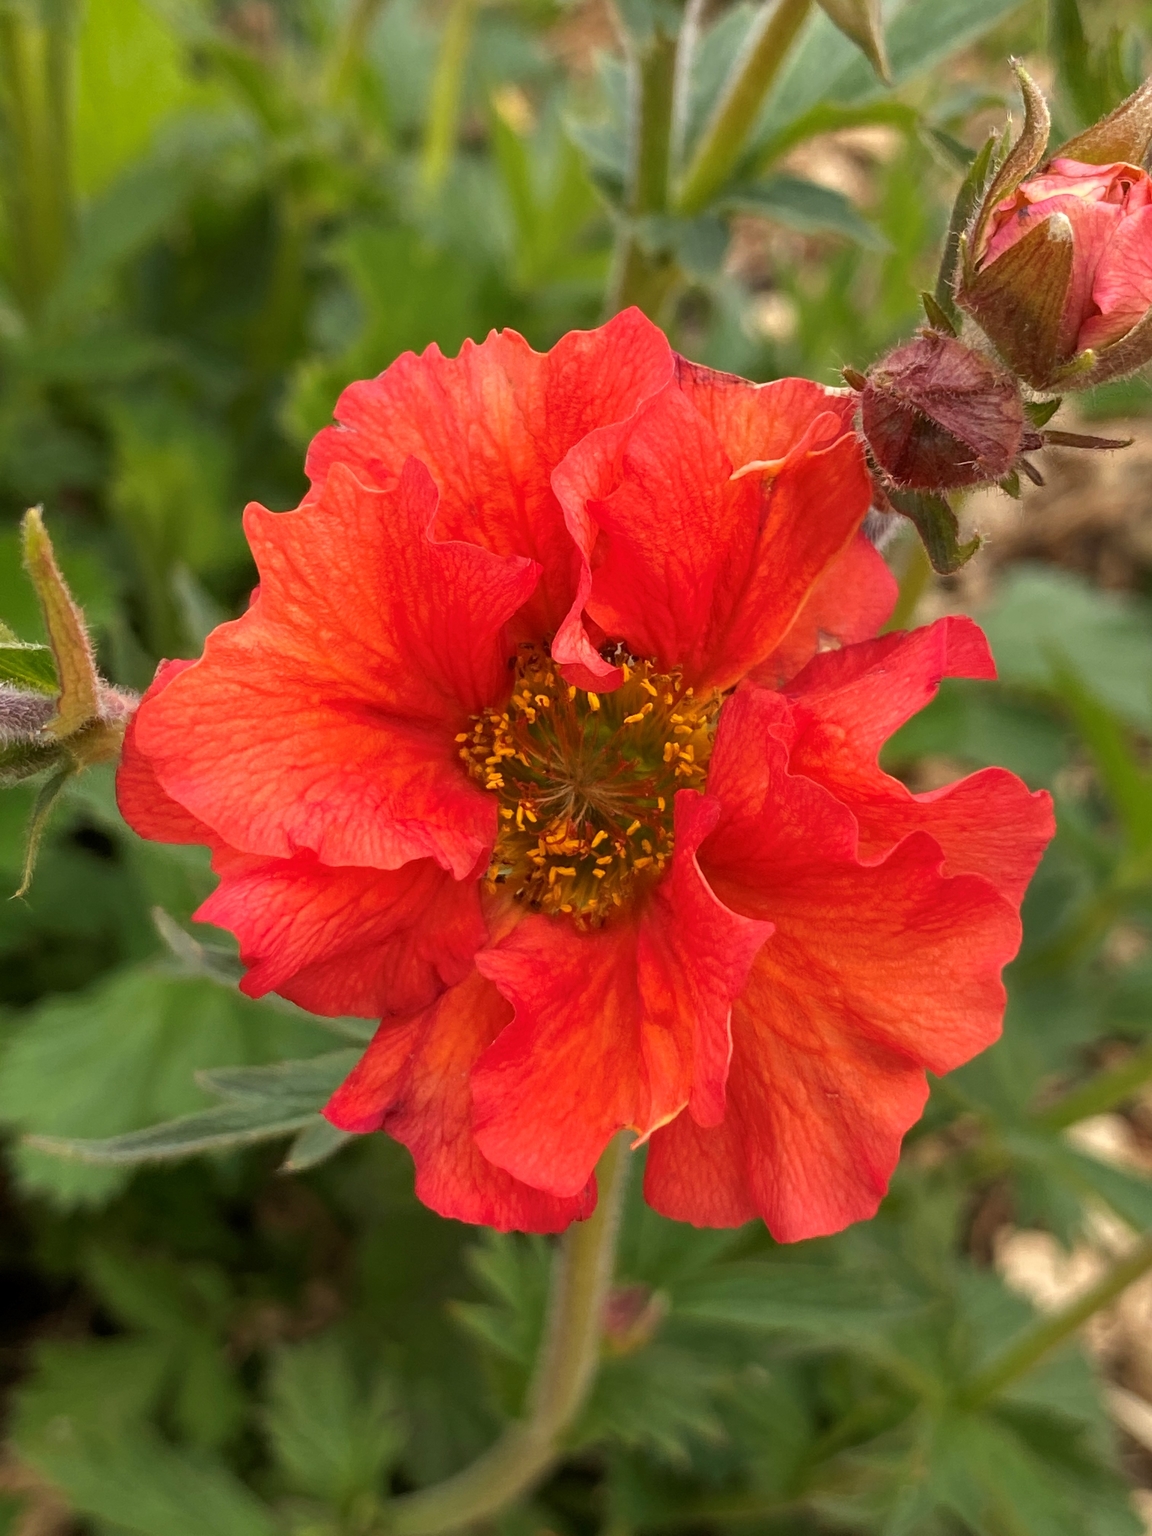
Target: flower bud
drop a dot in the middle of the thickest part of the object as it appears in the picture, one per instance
(1058, 264)
(937, 414)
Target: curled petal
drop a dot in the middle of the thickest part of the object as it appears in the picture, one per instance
(696, 561)
(146, 806)
(623, 1026)
(412, 1082)
(1122, 285)
(338, 941)
(848, 703)
(491, 425)
(324, 718)
(874, 973)
(850, 602)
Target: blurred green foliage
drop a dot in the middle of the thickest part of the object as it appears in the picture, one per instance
(214, 215)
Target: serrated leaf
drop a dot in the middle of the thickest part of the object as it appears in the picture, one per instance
(28, 666)
(333, 1433)
(769, 1298)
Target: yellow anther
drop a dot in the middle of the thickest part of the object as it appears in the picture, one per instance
(660, 802)
(506, 812)
(600, 836)
(598, 874)
(571, 692)
(650, 687)
(463, 736)
(593, 701)
(606, 858)
(543, 700)
(531, 815)
(641, 863)
(635, 827)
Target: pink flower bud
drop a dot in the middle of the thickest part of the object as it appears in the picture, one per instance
(1109, 210)
(1057, 265)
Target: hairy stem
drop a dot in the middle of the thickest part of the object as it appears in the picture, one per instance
(1048, 1333)
(753, 74)
(565, 1371)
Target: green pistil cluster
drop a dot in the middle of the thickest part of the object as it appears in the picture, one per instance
(587, 782)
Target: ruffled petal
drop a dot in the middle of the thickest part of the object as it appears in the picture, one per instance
(755, 423)
(622, 1026)
(1122, 285)
(338, 941)
(412, 1082)
(324, 718)
(491, 425)
(874, 973)
(850, 602)
(692, 559)
(847, 704)
(144, 804)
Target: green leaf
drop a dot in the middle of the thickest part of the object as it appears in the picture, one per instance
(1041, 611)
(291, 1085)
(313, 1145)
(333, 1432)
(774, 1297)
(936, 524)
(964, 207)
(123, 1055)
(80, 1422)
(806, 206)
(1126, 783)
(28, 666)
(210, 1130)
(826, 67)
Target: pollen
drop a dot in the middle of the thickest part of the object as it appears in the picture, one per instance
(587, 782)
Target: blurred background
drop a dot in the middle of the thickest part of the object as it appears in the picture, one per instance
(214, 215)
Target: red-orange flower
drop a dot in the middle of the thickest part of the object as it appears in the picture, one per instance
(535, 743)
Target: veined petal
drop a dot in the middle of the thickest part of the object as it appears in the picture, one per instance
(850, 602)
(338, 941)
(491, 425)
(847, 704)
(412, 1082)
(874, 973)
(145, 805)
(324, 718)
(692, 559)
(622, 1026)
(1122, 282)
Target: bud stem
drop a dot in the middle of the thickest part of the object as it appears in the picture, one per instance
(565, 1370)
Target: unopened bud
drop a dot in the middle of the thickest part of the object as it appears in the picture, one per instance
(1057, 267)
(937, 414)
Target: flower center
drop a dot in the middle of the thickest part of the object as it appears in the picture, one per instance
(586, 781)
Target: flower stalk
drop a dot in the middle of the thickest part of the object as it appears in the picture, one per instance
(1048, 1333)
(565, 1371)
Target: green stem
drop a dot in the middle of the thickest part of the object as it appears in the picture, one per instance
(35, 88)
(1050, 1332)
(753, 74)
(1103, 1092)
(447, 89)
(565, 1371)
(915, 574)
(643, 276)
(348, 50)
